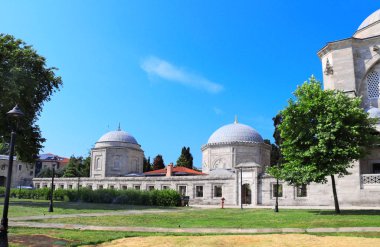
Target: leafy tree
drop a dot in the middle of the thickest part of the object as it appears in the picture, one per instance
(27, 81)
(147, 166)
(4, 148)
(48, 173)
(275, 156)
(322, 132)
(84, 167)
(186, 158)
(158, 162)
(72, 169)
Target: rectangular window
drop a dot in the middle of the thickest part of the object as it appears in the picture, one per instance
(19, 167)
(182, 190)
(218, 191)
(124, 187)
(100, 187)
(37, 186)
(31, 173)
(61, 186)
(376, 168)
(112, 187)
(165, 187)
(2, 167)
(151, 187)
(276, 191)
(89, 187)
(70, 186)
(302, 191)
(137, 187)
(198, 191)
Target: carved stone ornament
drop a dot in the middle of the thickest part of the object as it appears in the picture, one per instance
(329, 68)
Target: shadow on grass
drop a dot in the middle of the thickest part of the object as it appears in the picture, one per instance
(85, 205)
(346, 212)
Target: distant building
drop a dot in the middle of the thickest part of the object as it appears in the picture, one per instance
(22, 173)
(46, 161)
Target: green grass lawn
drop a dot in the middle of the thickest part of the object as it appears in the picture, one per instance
(25, 207)
(237, 218)
(183, 217)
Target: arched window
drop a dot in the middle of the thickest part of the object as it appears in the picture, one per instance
(98, 163)
(373, 85)
(116, 163)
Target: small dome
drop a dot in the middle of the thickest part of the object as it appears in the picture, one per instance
(235, 132)
(374, 17)
(374, 112)
(118, 136)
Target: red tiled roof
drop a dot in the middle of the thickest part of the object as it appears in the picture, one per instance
(176, 169)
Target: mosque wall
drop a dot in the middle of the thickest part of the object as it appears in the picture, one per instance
(213, 188)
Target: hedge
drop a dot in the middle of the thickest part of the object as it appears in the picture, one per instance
(128, 197)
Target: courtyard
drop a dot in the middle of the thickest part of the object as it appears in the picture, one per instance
(78, 224)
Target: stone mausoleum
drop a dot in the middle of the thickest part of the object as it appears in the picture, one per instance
(235, 158)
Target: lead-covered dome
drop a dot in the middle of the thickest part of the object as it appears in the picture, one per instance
(235, 132)
(117, 136)
(373, 18)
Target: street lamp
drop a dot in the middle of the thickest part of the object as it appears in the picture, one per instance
(52, 190)
(14, 113)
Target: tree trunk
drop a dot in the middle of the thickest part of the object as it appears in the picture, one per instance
(276, 205)
(337, 210)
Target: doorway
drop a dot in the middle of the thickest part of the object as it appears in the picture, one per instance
(2, 181)
(246, 194)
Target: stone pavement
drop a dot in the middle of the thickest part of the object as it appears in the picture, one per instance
(191, 230)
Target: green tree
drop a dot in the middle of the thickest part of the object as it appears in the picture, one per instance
(48, 173)
(147, 166)
(158, 162)
(27, 81)
(4, 147)
(186, 158)
(84, 167)
(275, 156)
(73, 168)
(322, 132)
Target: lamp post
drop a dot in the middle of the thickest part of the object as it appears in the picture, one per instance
(14, 113)
(241, 188)
(52, 190)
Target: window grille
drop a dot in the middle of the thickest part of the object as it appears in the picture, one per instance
(373, 85)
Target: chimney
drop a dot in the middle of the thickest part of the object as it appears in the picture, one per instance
(169, 170)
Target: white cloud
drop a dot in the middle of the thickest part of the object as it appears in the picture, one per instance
(218, 111)
(161, 68)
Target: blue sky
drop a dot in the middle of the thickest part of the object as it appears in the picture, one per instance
(172, 72)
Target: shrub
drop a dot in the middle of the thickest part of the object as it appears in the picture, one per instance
(129, 197)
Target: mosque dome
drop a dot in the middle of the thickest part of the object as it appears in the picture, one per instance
(235, 132)
(374, 112)
(117, 136)
(373, 18)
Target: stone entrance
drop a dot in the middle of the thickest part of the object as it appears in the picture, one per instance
(246, 194)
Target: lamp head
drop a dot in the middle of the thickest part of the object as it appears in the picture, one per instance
(15, 112)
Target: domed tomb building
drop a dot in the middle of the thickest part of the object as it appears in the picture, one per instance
(116, 154)
(234, 144)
